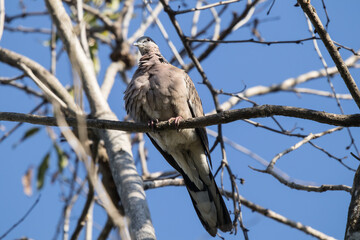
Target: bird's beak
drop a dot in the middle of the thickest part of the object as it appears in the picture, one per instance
(135, 44)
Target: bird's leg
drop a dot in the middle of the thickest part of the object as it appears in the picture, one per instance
(152, 124)
(176, 121)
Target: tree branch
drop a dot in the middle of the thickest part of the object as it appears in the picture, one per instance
(279, 218)
(264, 211)
(352, 231)
(16, 60)
(126, 178)
(332, 49)
(285, 85)
(22, 218)
(206, 6)
(213, 119)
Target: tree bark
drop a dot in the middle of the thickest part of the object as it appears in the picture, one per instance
(352, 231)
(127, 180)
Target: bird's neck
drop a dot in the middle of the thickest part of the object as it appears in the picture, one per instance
(150, 58)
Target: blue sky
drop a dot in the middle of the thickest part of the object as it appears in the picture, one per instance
(231, 68)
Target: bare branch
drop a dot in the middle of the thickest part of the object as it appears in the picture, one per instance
(166, 36)
(107, 21)
(284, 85)
(328, 78)
(352, 231)
(8, 133)
(319, 93)
(214, 119)
(249, 153)
(279, 218)
(109, 78)
(23, 87)
(106, 229)
(9, 19)
(126, 178)
(142, 156)
(206, 6)
(27, 29)
(15, 60)
(163, 183)
(251, 40)
(22, 218)
(141, 30)
(82, 26)
(266, 212)
(309, 188)
(227, 31)
(299, 144)
(81, 221)
(333, 51)
(77, 56)
(51, 97)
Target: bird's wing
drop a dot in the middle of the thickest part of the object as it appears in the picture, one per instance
(195, 105)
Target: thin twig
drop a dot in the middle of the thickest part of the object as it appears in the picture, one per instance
(109, 77)
(299, 144)
(206, 6)
(248, 152)
(332, 49)
(142, 156)
(81, 220)
(51, 97)
(24, 88)
(195, 19)
(286, 84)
(22, 218)
(257, 208)
(9, 19)
(82, 26)
(242, 18)
(27, 29)
(7, 134)
(319, 93)
(53, 49)
(4, 80)
(340, 160)
(287, 133)
(279, 218)
(145, 25)
(251, 40)
(308, 187)
(326, 14)
(317, 49)
(106, 229)
(166, 36)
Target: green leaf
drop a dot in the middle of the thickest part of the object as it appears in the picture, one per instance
(62, 158)
(93, 46)
(113, 5)
(90, 19)
(29, 133)
(42, 170)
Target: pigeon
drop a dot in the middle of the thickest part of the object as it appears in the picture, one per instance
(160, 91)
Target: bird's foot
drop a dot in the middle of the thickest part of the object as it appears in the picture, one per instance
(176, 121)
(152, 124)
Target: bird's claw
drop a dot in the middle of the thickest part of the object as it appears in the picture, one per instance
(152, 124)
(176, 121)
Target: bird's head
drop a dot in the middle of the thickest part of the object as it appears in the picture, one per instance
(146, 45)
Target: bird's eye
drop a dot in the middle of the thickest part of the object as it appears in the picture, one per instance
(148, 39)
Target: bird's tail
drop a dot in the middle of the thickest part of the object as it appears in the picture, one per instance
(210, 206)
